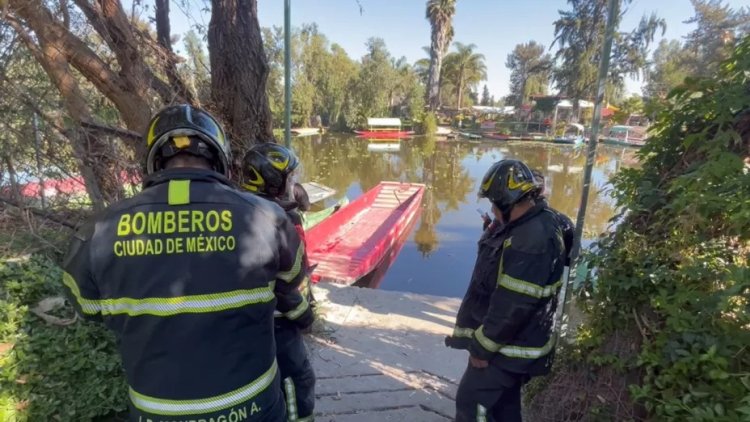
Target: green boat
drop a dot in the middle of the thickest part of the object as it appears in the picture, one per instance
(311, 219)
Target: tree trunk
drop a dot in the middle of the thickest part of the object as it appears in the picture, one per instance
(239, 72)
(460, 90)
(436, 63)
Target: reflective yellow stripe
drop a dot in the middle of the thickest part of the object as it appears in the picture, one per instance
(291, 400)
(168, 306)
(178, 192)
(294, 271)
(526, 288)
(159, 406)
(88, 306)
(299, 310)
(513, 351)
(528, 352)
(488, 344)
(481, 413)
(462, 332)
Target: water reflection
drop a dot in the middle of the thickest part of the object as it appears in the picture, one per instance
(439, 257)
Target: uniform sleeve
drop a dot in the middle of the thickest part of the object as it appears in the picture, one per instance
(293, 274)
(521, 285)
(78, 281)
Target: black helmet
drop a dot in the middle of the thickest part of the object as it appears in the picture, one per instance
(266, 169)
(186, 129)
(506, 183)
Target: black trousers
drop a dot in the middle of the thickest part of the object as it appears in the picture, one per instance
(297, 375)
(489, 395)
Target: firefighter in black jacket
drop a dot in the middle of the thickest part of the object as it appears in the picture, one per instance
(187, 274)
(267, 171)
(505, 320)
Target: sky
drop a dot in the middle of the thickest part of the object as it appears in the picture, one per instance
(495, 26)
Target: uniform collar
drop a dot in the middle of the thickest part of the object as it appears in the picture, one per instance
(284, 204)
(202, 175)
(537, 209)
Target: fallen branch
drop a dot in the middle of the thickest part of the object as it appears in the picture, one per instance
(39, 213)
(111, 130)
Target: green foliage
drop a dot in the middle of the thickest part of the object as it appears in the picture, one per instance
(51, 372)
(717, 29)
(546, 105)
(628, 107)
(530, 71)
(429, 125)
(464, 69)
(579, 36)
(676, 266)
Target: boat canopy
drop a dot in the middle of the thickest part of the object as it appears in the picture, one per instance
(577, 126)
(384, 122)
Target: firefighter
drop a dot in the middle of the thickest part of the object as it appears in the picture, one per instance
(187, 274)
(268, 171)
(506, 317)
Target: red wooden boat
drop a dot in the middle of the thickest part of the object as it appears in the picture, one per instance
(388, 128)
(380, 134)
(352, 242)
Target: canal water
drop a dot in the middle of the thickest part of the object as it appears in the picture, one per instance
(438, 254)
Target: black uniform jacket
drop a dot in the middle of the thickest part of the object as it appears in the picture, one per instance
(507, 314)
(187, 274)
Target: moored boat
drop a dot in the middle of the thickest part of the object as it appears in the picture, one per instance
(573, 134)
(317, 192)
(470, 135)
(631, 136)
(311, 219)
(384, 128)
(353, 241)
(305, 131)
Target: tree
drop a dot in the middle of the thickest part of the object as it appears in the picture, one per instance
(628, 107)
(197, 72)
(485, 97)
(375, 81)
(718, 29)
(96, 55)
(239, 70)
(440, 14)
(530, 71)
(669, 67)
(127, 85)
(579, 36)
(422, 67)
(465, 69)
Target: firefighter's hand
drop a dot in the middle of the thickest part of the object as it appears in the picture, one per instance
(478, 363)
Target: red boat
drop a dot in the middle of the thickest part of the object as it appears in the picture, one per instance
(352, 242)
(384, 128)
(379, 134)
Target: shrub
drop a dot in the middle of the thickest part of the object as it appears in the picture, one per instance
(672, 278)
(429, 124)
(52, 372)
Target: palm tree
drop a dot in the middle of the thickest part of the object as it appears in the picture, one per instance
(440, 14)
(465, 69)
(422, 67)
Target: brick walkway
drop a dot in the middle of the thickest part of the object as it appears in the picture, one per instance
(379, 356)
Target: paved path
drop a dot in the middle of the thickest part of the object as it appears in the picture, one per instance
(379, 356)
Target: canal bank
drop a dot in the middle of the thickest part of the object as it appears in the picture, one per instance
(379, 356)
